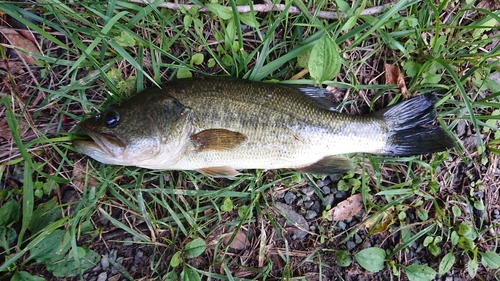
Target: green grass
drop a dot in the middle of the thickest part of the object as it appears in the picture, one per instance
(96, 54)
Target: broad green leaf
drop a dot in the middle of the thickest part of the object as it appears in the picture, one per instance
(428, 240)
(371, 259)
(343, 259)
(176, 259)
(249, 19)
(242, 212)
(472, 267)
(490, 259)
(303, 59)
(456, 211)
(197, 59)
(195, 248)
(67, 267)
(422, 214)
(220, 11)
(227, 205)
(183, 73)
(418, 272)
(171, 276)
(189, 274)
(324, 61)
(45, 250)
(454, 238)
(45, 214)
(9, 213)
(446, 263)
(25, 276)
(343, 5)
(125, 40)
(7, 236)
(411, 68)
(434, 249)
(466, 244)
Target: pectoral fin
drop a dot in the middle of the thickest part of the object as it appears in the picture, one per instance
(219, 172)
(217, 139)
(329, 165)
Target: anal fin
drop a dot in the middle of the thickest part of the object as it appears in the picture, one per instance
(219, 172)
(329, 165)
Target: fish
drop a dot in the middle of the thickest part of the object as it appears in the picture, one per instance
(220, 126)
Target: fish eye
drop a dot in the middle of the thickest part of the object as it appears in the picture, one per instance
(111, 119)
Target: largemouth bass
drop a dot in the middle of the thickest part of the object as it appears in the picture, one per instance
(220, 125)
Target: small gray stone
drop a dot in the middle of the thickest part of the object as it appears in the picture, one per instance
(320, 183)
(310, 215)
(289, 197)
(103, 276)
(308, 204)
(128, 241)
(316, 206)
(326, 190)
(449, 278)
(328, 200)
(113, 254)
(104, 262)
(300, 202)
(336, 177)
(350, 245)
(342, 225)
(357, 239)
(308, 191)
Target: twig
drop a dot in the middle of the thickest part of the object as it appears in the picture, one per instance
(264, 8)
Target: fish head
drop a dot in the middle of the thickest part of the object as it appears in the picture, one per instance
(145, 131)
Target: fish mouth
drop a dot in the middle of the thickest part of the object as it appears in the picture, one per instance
(99, 143)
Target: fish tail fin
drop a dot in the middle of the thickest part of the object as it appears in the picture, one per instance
(411, 129)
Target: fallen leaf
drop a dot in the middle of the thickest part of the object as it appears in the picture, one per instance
(79, 177)
(347, 208)
(393, 76)
(380, 222)
(19, 42)
(239, 242)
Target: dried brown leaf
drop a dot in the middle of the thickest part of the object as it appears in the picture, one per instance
(379, 222)
(239, 242)
(18, 41)
(347, 208)
(79, 174)
(393, 76)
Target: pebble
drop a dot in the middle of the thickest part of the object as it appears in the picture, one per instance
(350, 245)
(320, 183)
(340, 194)
(316, 206)
(342, 225)
(357, 239)
(328, 200)
(104, 262)
(289, 197)
(496, 214)
(127, 242)
(310, 214)
(308, 191)
(308, 204)
(326, 190)
(103, 276)
(300, 202)
(336, 177)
